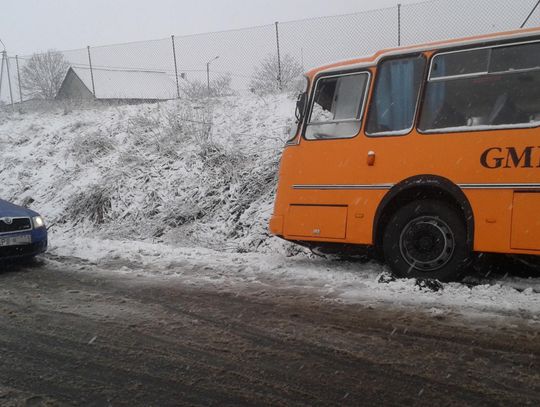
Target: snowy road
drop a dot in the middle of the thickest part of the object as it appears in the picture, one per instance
(109, 333)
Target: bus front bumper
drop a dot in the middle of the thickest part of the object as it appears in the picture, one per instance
(276, 225)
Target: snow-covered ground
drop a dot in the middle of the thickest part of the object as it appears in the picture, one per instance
(185, 189)
(182, 172)
(328, 279)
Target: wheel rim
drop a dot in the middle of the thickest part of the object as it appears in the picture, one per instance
(427, 243)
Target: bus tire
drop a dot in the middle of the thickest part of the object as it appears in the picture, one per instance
(427, 239)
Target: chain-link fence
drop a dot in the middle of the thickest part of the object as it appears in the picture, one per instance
(259, 59)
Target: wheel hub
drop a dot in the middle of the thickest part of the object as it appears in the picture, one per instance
(427, 243)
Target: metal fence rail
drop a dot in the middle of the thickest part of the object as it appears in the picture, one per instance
(269, 58)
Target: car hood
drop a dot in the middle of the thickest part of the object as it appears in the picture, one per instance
(13, 211)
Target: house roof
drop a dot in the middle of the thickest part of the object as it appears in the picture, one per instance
(128, 84)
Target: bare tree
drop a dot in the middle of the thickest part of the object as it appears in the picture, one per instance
(267, 78)
(42, 75)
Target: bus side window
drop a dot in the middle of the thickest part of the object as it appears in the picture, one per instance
(501, 91)
(337, 107)
(396, 96)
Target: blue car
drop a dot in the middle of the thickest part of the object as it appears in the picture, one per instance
(22, 232)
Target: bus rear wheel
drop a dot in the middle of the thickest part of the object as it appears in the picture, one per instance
(427, 239)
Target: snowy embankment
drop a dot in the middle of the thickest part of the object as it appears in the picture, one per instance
(185, 189)
(188, 173)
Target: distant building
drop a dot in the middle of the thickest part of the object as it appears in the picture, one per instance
(129, 86)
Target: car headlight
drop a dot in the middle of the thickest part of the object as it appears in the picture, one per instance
(38, 222)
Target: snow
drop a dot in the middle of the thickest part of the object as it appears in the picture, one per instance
(391, 133)
(342, 281)
(192, 173)
(320, 115)
(484, 127)
(184, 190)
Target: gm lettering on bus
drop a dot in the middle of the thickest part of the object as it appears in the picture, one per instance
(511, 157)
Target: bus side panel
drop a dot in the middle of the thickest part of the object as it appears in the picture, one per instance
(317, 221)
(362, 212)
(526, 221)
(493, 219)
(305, 212)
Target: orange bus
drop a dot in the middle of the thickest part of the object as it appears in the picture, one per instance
(426, 153)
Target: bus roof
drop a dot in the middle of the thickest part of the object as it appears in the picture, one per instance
(373, 59)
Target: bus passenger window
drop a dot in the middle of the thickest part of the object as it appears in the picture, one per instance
(460, 63)
(506, 93)
(517, 57)
(337, 107)
(396, 96)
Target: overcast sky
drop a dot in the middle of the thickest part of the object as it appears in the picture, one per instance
(27, 26)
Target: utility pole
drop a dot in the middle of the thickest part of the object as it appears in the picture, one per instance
(5, 61)
(9, 80)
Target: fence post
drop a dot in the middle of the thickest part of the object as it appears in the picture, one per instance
(399, 24)
(9, 81)
(19, 78)
(175, 68)
(91, 71)
(279, 79)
